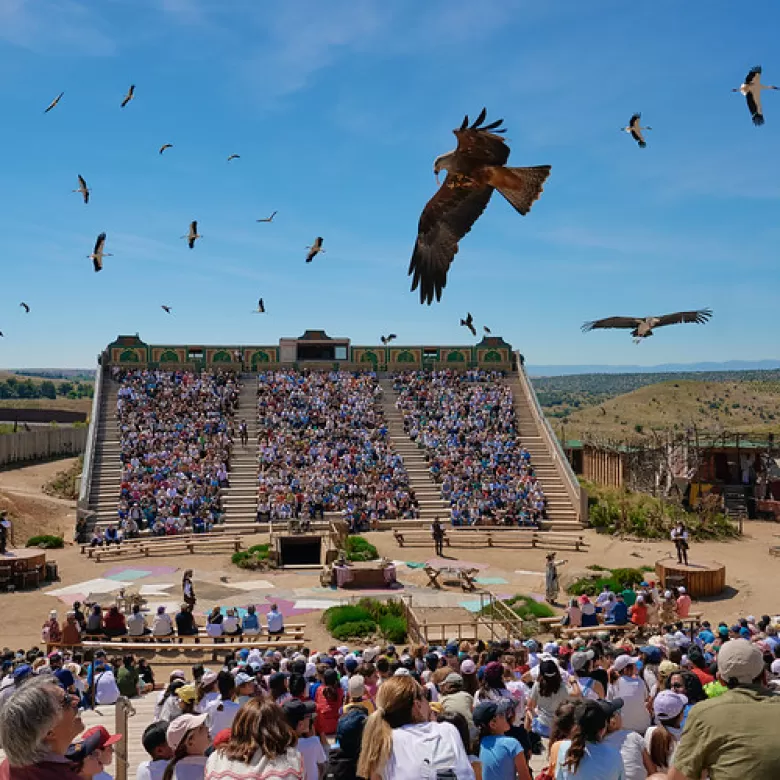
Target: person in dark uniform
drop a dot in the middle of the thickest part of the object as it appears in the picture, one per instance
(5, 527)
(438, 536)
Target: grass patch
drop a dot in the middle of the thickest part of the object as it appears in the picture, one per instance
(357, 629)
(596, 567)
(63, 484)
(617, 580)
(393, 628)
(336, 616)
(529, 608)
(358, 549)
(46, 542)
(368, 617)
(253, 558)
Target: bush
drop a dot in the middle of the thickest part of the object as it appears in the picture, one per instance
(617, 580)
(337, 616)
(393, 628)
(358, 549)
(252, 558)
(46, 542)
(260, 551)
(356, 629)
(528, 608)
(365, 618)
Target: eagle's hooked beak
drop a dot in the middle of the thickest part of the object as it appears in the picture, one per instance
(436, 174)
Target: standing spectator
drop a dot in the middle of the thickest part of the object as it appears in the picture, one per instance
(399, 737)
(261, 747)
(188, 738)
(585, 756)
(328, 700)
(625, 685)
(437, 531)
(552, 582)
(187, 589)
(734, 735)
(155, 743)
(502, 757)
(38, 722)
(275, 621)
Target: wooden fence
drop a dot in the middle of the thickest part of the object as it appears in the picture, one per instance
(41, 444)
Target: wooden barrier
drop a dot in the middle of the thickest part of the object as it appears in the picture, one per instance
(41, 443)
(510, 537)
(169, 546)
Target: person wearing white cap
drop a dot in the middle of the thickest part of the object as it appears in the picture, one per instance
(633, 691)
(683, 603)
(188, 738)
(661, 740)
(735, 734)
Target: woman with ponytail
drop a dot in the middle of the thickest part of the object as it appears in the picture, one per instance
(584, 756)
(188, 738)
(661, 740)
(401, 743)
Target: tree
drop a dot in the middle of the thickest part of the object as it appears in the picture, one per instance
(48, 390)
(65, 388)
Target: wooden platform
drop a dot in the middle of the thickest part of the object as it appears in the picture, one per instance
(700, 578)
(25, 558)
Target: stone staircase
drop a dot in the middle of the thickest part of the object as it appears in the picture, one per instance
(106, 468)
(425, 489)
(240, 499)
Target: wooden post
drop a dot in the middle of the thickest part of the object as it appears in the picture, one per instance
(122, 710)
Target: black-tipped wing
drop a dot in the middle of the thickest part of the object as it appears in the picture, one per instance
(634, 119)
(754, 106)
(446, 218)
(479, 146)
(129, 95)
(700, 316)
(83, 188)
(25, 307)
(751, 76)
(164, 147)
(612, 322)
(53, 103)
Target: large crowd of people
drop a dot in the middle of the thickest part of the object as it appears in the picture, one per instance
(466, 424)
(323, 446)
(175, 438)
(693, 705)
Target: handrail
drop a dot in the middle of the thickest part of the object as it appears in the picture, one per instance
(570, 481)
(94, 424)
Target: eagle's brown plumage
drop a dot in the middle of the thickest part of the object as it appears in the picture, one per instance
(474, 170)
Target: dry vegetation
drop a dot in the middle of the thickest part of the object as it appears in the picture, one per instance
(744, 407)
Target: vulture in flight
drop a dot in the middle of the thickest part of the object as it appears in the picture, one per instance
(634, 128)
(53, 103)
(487, 330)
(641, 327)
(751, 89)
(98, 253)
(315, 249)
(129, 96)
(469, 323)
(83, 189)
(166, 309)
(193, 235)
(165, 146)
(474, 169)
(387, 339)
(269, 219)
(25, 307)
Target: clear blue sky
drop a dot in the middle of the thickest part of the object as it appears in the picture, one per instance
(338, 109)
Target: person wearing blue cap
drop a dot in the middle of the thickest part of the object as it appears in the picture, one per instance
(343, 759)
(502, 757)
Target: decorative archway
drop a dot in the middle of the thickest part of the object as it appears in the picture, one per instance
(129, 356)
(456, 357)
(260, 357)
(369, 357)
(222, 357)
(169, 356)
(491, 356)
(406, 357)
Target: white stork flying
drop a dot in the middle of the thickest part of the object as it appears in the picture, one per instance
(643, 327)
(751, 89)
(388, 338)
(53, 103)
(98, 253)
(315, 249)
(165, 146)
(83, 189)
(129, 96)
(469, 323)
(269, 219)
(260, 307)
(635, 129)
(193, 235)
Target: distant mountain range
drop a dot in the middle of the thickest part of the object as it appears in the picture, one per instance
(54, 373)
(663, 368)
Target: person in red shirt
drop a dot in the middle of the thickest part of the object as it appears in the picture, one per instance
(114, 623)
(683, 603)
(699, 665)
(328, 700)
(638, 613)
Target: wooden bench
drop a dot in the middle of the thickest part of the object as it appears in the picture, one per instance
(525, 537)
(166, 546)
(602, 627)
(552, 624)
(147, 538)
(417, 538)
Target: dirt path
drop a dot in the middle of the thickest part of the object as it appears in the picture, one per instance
(29, 480)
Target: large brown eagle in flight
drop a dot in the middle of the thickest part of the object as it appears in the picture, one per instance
(474, 170)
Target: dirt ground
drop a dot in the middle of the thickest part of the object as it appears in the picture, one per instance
(751, 586)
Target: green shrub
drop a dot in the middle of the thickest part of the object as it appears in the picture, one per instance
(378, 609)
(356, 629)
(46, 542)
(596, 567)
(260, 551)
(337, 616)
(393, 628)
(251, 558)
(358, 549)
(617, 580)
(528, 608)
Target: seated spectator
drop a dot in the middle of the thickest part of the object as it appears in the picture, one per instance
(275, 620)
(329, 700)
(106, 688)
(661, 740)
(631, 689)
(136, 623)
(84, 758)
(356, 695)
(619, 614)
(573, 617)
(127, 677)
(162, 625)
(343, 760)
(299, 715)
(585, 754)
(51, 631)
(500, 756)
(589, 615)
(250, 624)
(231, 625)
(454, 698)
(185, 622)
(683, 603)
(639, 612)
(188, 738)
(71, 631)
(636, 759)
(222, 710)
(114, 623)
(214, 621)
(155, 743)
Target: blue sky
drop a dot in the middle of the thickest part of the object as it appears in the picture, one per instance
(338, 109)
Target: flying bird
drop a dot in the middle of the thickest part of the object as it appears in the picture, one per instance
(641, 327)
(166, 309)
(387, 339)
(165, 146)
(2, 335)
(315, 249)
(469, 323)
(234, 157)
(193, 235)
(25, 307)
(635, 129)
(98, 253)
(269, 219)
(474, 169)
(53, 103)
(83, 189)
(486, 329)
(751, 89)
(260, 307)
(129, 96)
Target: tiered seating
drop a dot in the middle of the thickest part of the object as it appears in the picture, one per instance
(323, 447)
(466, 423)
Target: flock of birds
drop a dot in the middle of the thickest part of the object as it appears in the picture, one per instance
(475, 168)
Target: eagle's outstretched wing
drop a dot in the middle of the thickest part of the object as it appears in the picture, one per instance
(447, 217)
(612, 322)
(700, 316)
(480, 145)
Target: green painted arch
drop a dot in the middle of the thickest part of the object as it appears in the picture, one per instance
(406, 357)
(260, 357)
(369, 357)
(491, 356)
(129, 356)
(169, 356)
(222, 357)
(456, 356)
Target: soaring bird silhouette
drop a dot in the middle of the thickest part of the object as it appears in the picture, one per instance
(193, 235)
(2, 335)
(260, 307)
(474, 169)
(98, 253)
(269, 219)
(166, 309)
(83, 189)
(53, 103)
(129, 96)
(751, 89)
(634, 128)
(469, 323)
(486, 329)
(25, 307)
(642, 327)
(315, 249)
(234, 157)
(165, 146)
(387, 339)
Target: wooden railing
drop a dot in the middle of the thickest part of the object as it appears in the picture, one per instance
(89, 451)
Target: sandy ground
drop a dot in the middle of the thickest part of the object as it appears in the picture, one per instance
(752, 588)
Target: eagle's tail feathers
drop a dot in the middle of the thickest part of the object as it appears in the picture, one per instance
(520, 186)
